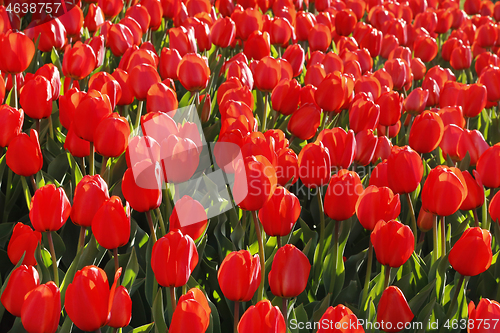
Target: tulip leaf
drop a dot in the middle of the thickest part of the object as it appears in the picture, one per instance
(214, 326)
(18, 326)
(425, 314)
(58, 167)
(320, 309)
(75, 167)
(158, 313)
(131, 271)
(59, 245)
(70, 274)
(465, 162)
(151, 283)
(438, 272)
(67, 325)
(238, 236)
(143, 329)
(418, 300)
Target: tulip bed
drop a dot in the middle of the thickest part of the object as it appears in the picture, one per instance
(249, 166)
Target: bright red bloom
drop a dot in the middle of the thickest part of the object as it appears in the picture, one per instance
(192, 312)
(444, 191)
(223, 32)
(393, 243)
(17, 52)
(366, 143)
(289, 272)
(285, 97)
(426, 132)
(121, 310)
(471, 255)
(486, 311)
(91, 110)
(24, 156)
(262, 317)
(330, 95)
(239, 276)
(393, 308)
(50, 208)
(111, 224)
(489, 160)
(405, 170)
(173, 259)
(140, 199)
(193, 72)
(279, 214)
(375, 204)
(189, 217)
(305, 121)
(475, 191)
(22, 280)
(12, 122)
(79, 61)
(314, 165)
(90, 193)
(23, 241)
(342, 317)
(342, 195)
(42, 309)
(341, 146)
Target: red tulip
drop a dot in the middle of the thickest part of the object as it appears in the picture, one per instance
(179, 158)
(393, 310)
(426, 132)
(76, 146)
(120, 38)
(363, 114)
(72, 20)
(449, 142)
(239, 276)
(366, 143)
(341, 146)
(51, 73)
(342, 194)
(305, 21)
(12, 122)
(314, 165)
(416, 101)
(399, 71)
(305, 121)
(91, 110)
(24, 156)
(223, 32)
(319, 37)
(393, 243)
(140, 199)
(111, 224)
(90, 193)
(330, 95)
(267, 74)
(94, 18)
(461, 57)
(345, 21)
(79, 61)
(475, 191)
(262, 317)
(288, 167)
(193, 72)
(88, 300)
(42, 309)
(279, 214)
(375, 204)
(471, 255)
(294, 54)
(391, 105)
(425, 48)
(473, 143)
(378, 176)
(258, 45)
(405, 170)
(342, 319)
(474, 100)
(50, 208)
(444, 191)
(487, 311)
(192, 311)
(189, 217)
(255, 182)
(173, 259)
(110, 8)
(383, 149)
(17, 52)
(141, 78)
(23, 241)
(121, 310)
(488, 161)
(289, 272)
(280, 31)
(22, 280)
(285, 97)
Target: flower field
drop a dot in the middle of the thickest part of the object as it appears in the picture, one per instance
(249, 166)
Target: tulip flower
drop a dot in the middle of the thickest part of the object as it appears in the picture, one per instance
(161, 98)
(76, 146)
(24, 156)
(262, 317)
(289, 272)
(12, 122)
(345, 21)
(22, 280)
(366, 143)
(189, 217)
(486, 311)
(257, 46)
(88, 300)
(471, 255)
(173, 259)
(50, 208)
(267, 74)
(179, 158)
(391, 104)
(375, 204)
(192, 311)
(121, 310)
(91, 110)
(141, 79)
(319, 37)
(314, 165)
(416, 101)
(378, 176)
(279, 214)
(111, 136)
(36, 97)
(341, 146)
(18, 51)
(474, 100)
(169, 62)
(288, 167)
(223, 32)
(305, 121)
(342, 319)
(363, 114)
(399, 71)
(444, 191)
(449, 142)
(314, 76)
(331, 92)
(255, 182)
(488, 161)
(239, 276)
(393, 310)
(473, 143)
(294, 54)
(405, 168)
(41, 309)
(475, 192)
(141, 199)
(285, 96)
(193, 72)
(111, 224)
(393, 243)
(342, 194)
(23, 241)
(79, 61)
(426, 132)
(120, 38)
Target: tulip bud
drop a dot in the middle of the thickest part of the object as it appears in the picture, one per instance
(393, 310)
(24, 156)
(471, 255)
(121, 310)
(405, 168)
(111, 225)
(393, 243)
(12, 122)
(50, 208)
(342, 194)
(42, 309)
(23, 241)
(305, 121)
(22, 280)
(239, 276)
(189, 217)
(279, 214)
(262, 317)
(375, 204)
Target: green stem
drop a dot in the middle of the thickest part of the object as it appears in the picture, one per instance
(278, 241)
(37, 126)
(14, 86)
(236, 316)
(7, 195)
(103, 167)
(486, 223)
(151, 226)
(335, 250)
(172, 297)
(82, 164)
(260, 291)
(54, 258)
(413, 219)
(387, 276)
(264, 116)
(443, 237)
(81, 240)
(284, 310)
(115, 257)
(26, 190)
(368, 272)
(319, 260)
(91, 160)
(476, 218)
(455, 296)
(435, 238)
(33, 183)
(160, 221)
(138, 116)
